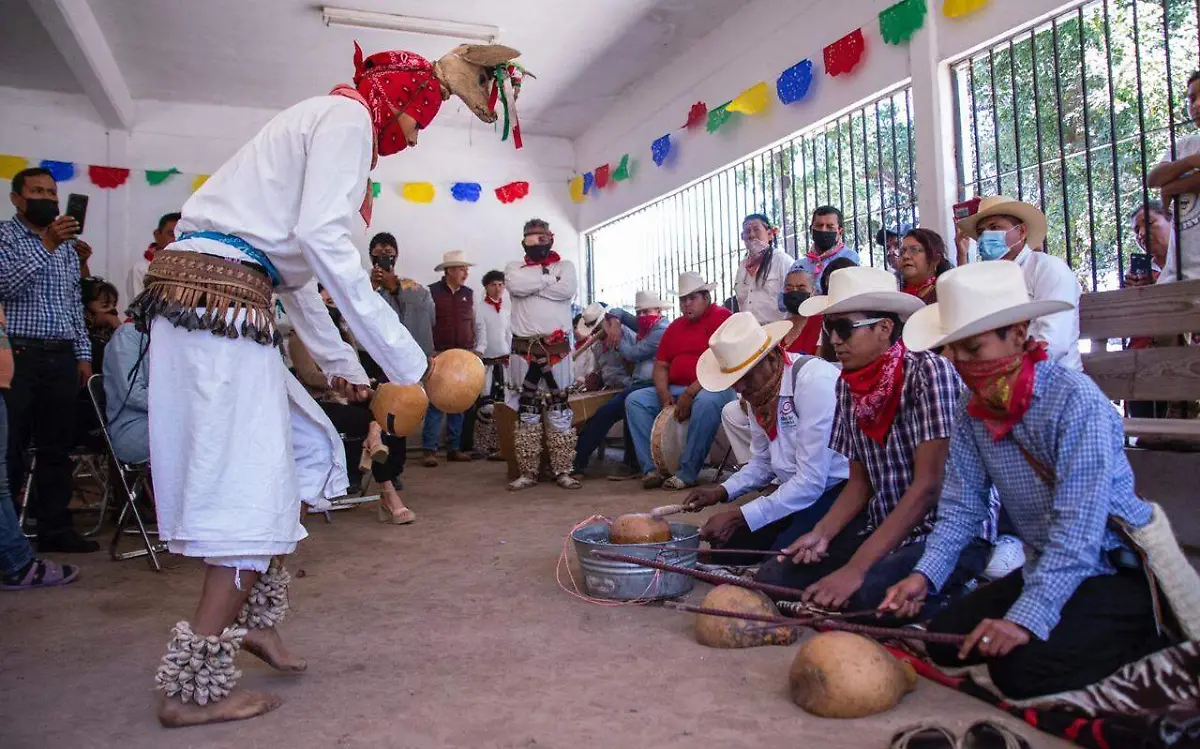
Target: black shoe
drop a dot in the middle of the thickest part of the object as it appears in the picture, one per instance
(66, 543)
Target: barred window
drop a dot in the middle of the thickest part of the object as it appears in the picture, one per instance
(1072, 114)
(860, 162)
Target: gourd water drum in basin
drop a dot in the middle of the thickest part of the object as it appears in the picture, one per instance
(639, 528)
(624, 581)
(399, 409)
(456, 381)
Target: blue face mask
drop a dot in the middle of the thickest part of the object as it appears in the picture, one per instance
(993, 244)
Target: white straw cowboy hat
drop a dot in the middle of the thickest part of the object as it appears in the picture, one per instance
(454, 259)
(691, 282)
(735, 348)
(591, 319)
(648, 300)
(1002, 205)
(974, 299)
(861, 289)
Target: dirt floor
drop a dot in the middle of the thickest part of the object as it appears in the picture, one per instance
(447, 633)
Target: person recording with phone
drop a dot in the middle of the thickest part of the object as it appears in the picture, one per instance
(40, 258)
(411, 300)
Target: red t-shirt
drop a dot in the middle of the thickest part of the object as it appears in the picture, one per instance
(809, 339)
(685, 341)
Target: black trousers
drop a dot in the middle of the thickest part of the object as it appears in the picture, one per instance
(1107, 623)
(885, 573)
(352, 420)
(775, 536)
(42, 405)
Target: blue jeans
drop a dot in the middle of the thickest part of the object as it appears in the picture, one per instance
(15, 551)
(642, 407)
(433, 426)
(596, 429)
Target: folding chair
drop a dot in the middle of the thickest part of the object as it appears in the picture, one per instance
(133, 481)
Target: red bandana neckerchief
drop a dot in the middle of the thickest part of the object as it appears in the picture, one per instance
(875, 390)
(149, 253)
(764, 404)
(922, 290)
(820, 258)
(551, 258)
(1002, 389)
(495, 303)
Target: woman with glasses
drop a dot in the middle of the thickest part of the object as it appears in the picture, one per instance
(921, 260)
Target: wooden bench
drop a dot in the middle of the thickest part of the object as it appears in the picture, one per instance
(1168, 372)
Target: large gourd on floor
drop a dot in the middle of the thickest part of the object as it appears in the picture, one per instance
(399, 409)
(726, 632)
(844, 675)
(456, 381)
(639, 528)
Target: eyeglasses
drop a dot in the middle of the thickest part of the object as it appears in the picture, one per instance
(845, 328)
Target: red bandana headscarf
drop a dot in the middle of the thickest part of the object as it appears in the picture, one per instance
(395, 83)
(876, 390)
(1002, 389)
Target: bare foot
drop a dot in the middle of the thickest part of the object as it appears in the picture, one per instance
(267, 645)
(239, 705)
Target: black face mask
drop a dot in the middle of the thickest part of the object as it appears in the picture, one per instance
(825, 240)
(40, 212)
(538, 252)
(793, 299)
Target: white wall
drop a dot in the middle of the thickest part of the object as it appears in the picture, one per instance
(759, 43)
(197, 139)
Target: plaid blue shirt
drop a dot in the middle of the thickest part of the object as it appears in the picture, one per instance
(40, 290)
(926, 412)
(1073, 429)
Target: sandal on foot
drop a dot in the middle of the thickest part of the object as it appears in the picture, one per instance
(567, 481)
(41, 573)
(987, 734)
(923, 736)
(652, 480)
(675, 484)
(522, 482)
(402, 517)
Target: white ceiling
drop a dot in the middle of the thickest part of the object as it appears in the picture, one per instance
(272, 53)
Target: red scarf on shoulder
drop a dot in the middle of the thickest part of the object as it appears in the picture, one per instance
(1002, 389)
(875, 390)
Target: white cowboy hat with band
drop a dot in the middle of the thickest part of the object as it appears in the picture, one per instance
(648, 300)
(453, 259)
(1002, 205)
(735, 348)
(692, 282)
(974, 299)
(861, 289)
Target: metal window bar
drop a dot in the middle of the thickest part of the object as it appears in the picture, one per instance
(1113, 120)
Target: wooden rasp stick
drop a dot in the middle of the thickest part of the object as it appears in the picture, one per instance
(665, 510)
(862, 629)
(748, 552)
(775, 591)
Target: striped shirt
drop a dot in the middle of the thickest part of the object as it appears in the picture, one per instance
(1071, 428)
(40, 290)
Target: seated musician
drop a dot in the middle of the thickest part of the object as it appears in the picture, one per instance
(1051, 442)
(675, 385)
(893, 423)
(627, 339)
(792, 398)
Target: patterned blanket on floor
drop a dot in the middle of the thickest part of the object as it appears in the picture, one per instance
(1153, 703)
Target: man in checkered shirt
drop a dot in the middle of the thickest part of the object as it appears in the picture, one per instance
(40, 291)
(1052, 443)
(893, 422)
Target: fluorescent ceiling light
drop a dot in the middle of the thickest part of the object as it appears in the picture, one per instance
(362, 19)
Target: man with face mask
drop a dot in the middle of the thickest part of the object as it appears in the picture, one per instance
(542, 286)
(41, 295)
(1007, 229)
(827, 233)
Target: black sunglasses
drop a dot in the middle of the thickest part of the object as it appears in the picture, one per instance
(845, 328)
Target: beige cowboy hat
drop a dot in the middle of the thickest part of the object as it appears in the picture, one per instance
(861, 289)
(453, 259)
(691, 282)
(974, 299)
(735, 348)
(1002, 205)
(648, 300)
(590, 319)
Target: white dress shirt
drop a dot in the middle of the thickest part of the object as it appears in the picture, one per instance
(493, 330)
(541, 301)
(1049, 277)
(136, 281)
(799, 457)
(315, 156)
(763, 301)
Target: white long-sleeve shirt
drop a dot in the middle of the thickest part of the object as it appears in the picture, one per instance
(294, 192)
(799, 456)
(541, 301)
(1049, 277)
(493, 330)
(763, 301)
